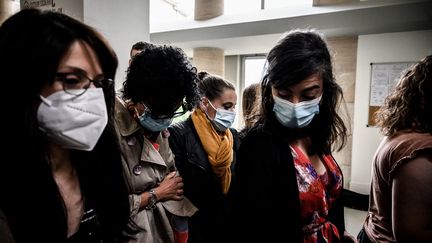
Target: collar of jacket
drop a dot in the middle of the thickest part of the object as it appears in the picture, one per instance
(126, 124)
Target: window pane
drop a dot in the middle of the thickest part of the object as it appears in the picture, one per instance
(253, 70)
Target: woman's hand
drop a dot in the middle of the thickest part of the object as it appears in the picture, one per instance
(171, 188)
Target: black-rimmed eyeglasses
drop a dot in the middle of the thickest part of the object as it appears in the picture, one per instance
(76, 83)
(179, 112)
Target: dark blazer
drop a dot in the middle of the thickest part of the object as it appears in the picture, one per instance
(267, 201)
(201, 185)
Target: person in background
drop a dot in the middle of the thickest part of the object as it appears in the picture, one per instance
(160, 85)
(400, 205)
(63, 179)
(204, 146)
(137, 48)
(250, 106)
(288, 183)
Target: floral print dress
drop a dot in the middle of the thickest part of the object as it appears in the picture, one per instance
(317, 193)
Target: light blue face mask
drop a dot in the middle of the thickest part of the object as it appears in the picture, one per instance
(154, 125)
(223, 119)
(295, 115)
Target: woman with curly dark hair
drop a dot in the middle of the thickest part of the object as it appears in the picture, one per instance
(160, 85)
(400, 206)
(288, 184)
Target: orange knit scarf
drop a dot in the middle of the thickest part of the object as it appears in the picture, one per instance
(218, 145)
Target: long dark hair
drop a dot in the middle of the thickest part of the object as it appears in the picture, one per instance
(298, 55)
(32, 43)
(409, 106)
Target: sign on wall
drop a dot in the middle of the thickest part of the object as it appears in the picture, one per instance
(384, 77)
(71, 8)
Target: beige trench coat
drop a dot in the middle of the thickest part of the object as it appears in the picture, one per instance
(145, 167)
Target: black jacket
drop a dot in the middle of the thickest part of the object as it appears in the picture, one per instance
(267, 201)
(201, 185)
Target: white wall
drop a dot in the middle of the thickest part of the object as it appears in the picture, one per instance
(388, 47)
(71, 8)
(123, 23)
(232, 73)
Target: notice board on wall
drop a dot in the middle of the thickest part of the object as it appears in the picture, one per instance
(384, 77)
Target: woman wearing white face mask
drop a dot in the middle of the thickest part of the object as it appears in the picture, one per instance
(204, 146)
(286, 175)
(63, 179)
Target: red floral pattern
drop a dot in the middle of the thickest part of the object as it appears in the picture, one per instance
(317, 193)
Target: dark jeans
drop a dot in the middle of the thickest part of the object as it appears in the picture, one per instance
(362, 237)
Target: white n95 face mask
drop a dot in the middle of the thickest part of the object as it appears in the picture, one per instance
(74, 122)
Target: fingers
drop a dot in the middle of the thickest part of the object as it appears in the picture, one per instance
(180, 185)
(171, 174)
(173, 186)
(179, 195)
(178, 179)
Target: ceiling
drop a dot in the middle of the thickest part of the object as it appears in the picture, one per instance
(257, 32)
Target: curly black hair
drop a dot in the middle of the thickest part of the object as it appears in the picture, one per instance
(409, 106)
(162, 77)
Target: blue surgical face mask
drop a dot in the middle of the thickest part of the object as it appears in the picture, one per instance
(223, 119)
(295, 115)
(154, 125)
